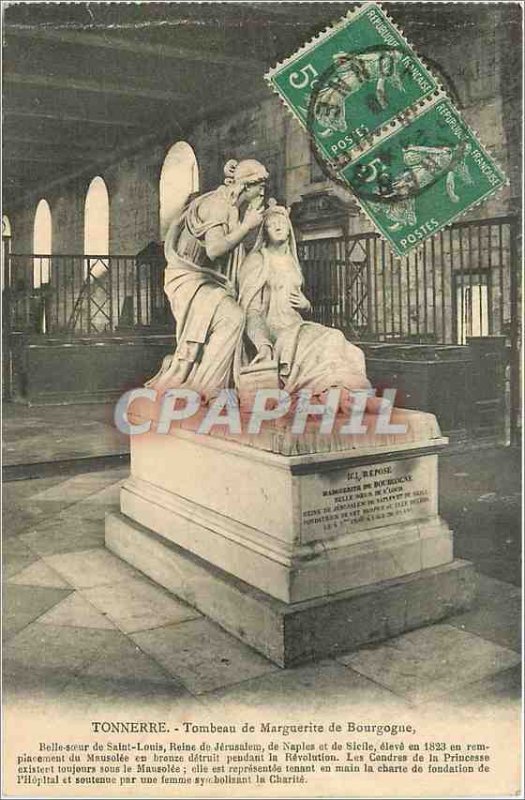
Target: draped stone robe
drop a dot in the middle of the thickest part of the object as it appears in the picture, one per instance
(202, 292)
(311, 356)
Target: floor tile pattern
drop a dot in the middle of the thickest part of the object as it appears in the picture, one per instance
(82, 625)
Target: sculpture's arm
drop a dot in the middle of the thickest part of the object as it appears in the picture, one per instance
(256, 327)
(257, 331)
(219, 243)
(299, 300)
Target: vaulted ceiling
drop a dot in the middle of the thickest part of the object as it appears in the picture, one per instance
(83, 81)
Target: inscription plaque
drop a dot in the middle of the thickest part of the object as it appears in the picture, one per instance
(357, 498)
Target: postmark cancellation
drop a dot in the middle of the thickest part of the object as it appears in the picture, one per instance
(381, 123)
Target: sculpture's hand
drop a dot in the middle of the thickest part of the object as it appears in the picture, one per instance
(265, 353)
(299, 301)
(217, 244)
(252, 219)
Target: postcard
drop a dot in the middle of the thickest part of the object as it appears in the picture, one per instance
(262, 399)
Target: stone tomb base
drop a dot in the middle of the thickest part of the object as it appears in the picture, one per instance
(292, 633)
(301, 555)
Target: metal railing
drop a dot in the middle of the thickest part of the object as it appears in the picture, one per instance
(461, 283)
(458, 284)
(79, 295)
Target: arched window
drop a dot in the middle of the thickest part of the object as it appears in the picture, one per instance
(41, 243)
(6, 248)
(6, 227)
(96, 220)
(179, 178)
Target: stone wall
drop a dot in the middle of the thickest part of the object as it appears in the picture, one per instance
(478, 64)
(133, 186)
(481, 70)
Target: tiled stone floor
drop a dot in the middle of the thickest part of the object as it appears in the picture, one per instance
(50, 433)
(83, 625)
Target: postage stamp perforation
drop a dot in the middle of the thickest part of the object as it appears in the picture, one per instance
(462, 213)
(440, 88)
(390, 130)
(332, 30)
(400, 256)
(289, 108)
(401, 121)
(328, 31)
(407, 165)
(502, 172)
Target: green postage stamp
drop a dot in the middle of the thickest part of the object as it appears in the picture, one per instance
(422, 175)
(352, 80)
(380, 122)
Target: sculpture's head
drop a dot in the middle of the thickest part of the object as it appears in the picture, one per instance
(276, 223)
(277, 229)
(248, 180)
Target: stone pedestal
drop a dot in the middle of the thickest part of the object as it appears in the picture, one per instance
(301, 555)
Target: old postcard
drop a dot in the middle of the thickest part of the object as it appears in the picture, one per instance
(261, 297)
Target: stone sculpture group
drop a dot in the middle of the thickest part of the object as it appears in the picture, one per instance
(238, 312)
(302, 542)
